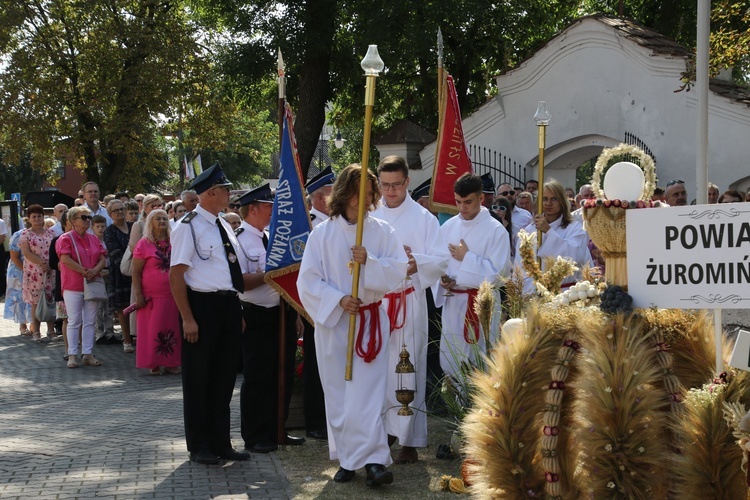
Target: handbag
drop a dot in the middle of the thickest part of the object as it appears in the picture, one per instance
(126, 265)
(45, 309)
(93, 289)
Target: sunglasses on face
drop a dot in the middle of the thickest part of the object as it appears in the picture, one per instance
(506, 193)
(85, 218)
(499, 207)
(234, 205)
(675, 181)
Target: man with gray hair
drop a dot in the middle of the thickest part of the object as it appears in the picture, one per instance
(189, 199)
(586, 192)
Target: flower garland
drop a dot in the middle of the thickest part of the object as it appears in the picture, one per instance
(647, 164)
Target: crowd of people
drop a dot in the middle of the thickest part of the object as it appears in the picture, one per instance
(120, 246)
(185, 281)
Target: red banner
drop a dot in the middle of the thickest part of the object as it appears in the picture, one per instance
(451, 158)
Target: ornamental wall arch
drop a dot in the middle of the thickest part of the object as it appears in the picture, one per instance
(561, 160)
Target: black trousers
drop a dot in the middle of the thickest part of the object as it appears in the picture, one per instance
(312, 389)
(259, 395)
(209, 370)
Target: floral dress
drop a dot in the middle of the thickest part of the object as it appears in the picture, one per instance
(15, 307)
(159, 340)
(33, 277)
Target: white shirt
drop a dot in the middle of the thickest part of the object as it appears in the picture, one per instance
(57, 228)
(570, 242)
(208, 269)
(521, 217)
(254, 254)
(319, 216)
(100, 211)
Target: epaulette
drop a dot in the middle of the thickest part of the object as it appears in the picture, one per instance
(188, 217)
(238, 231)
(312, 217)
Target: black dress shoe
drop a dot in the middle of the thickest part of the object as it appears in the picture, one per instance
(321, 434)
(377, 475)
(343, 475)
(204, 457)
(232, 454)
(264, 447)
(293, 440)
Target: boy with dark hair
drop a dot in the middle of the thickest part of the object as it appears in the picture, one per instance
(480, 251)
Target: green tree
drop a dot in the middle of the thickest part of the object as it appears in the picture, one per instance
(324, 41)
(96, 80)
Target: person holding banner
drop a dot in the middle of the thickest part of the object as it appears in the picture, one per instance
(318, 190)
(260, 341)
(480, 251)
(418, 230)
(356, 430)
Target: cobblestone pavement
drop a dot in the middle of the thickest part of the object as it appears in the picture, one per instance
(107, 432)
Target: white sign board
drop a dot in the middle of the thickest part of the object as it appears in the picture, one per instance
(693, 257)
(741, 352)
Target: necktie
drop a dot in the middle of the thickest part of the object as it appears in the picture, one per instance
(234, 265)
(265, 240)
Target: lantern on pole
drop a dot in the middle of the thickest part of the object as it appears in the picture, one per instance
(372, 64)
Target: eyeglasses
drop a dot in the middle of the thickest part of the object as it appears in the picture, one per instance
(506, 193)
(234, 205)
(502, 208)
(85, 218)
(117, 210)
(675, 181)
(386, 186)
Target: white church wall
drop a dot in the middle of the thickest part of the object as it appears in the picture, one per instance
(598, 83)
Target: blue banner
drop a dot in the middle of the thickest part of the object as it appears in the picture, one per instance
(290, 222)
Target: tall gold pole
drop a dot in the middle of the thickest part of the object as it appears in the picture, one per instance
(542, 118)
(373, 65)
(440, 73)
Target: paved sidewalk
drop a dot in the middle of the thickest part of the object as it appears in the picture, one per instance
(107, 432)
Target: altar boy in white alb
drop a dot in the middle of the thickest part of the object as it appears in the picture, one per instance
(479, 250)
(418, 230)
(356, 432)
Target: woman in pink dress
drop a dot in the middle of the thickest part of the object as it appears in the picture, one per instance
(38, 278)
(158, 319)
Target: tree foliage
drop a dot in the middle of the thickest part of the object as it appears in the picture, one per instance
(324, 41)
(96, 80)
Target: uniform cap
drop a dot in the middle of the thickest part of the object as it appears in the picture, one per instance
(211, 177)
(262, 194)
(324, 178)
(488, 183)
(421, 190)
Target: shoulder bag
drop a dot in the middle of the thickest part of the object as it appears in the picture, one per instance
(126, 265)
(93, 289)
(45, 309)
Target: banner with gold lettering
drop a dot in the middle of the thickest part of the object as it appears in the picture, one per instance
(290, 222)
(451, 158)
